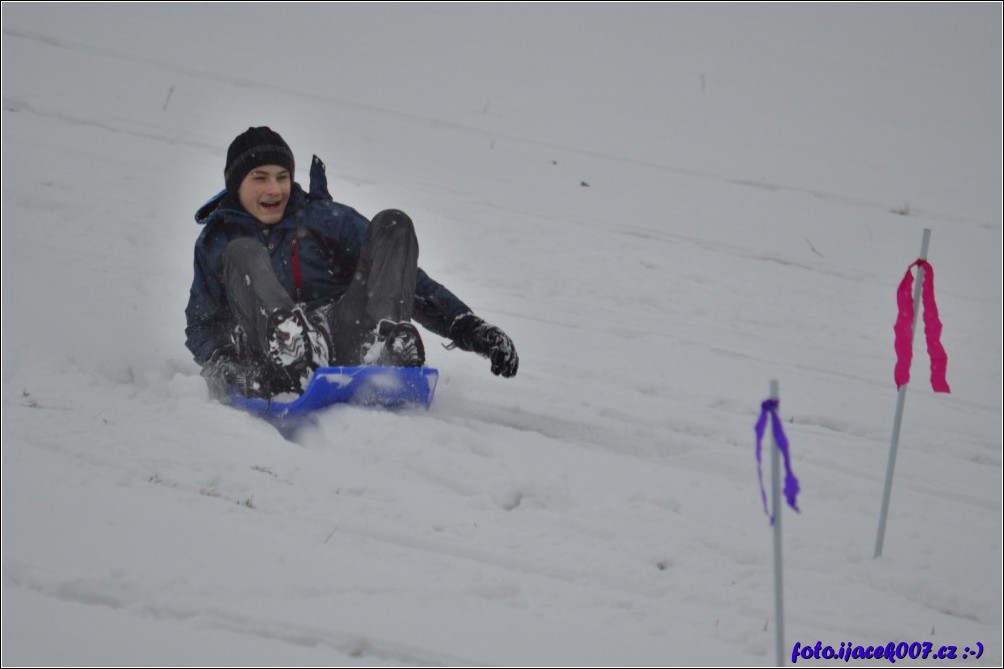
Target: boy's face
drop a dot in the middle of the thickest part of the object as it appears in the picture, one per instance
(265, 192)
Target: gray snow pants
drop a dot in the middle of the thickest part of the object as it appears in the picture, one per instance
(382, 287)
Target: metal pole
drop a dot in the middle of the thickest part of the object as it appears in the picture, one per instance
(775, 494)
(900, 402)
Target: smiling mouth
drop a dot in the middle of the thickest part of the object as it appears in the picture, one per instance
(270, 206)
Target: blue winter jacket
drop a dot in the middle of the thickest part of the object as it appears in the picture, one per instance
(329, 238)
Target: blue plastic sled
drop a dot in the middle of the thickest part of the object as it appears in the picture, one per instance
(392, 387)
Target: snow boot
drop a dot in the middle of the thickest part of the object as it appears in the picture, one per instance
(394, 345)
(297, 345)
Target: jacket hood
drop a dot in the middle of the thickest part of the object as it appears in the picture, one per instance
(212, 207)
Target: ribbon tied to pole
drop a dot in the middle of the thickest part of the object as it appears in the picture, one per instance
(791, 487)
(932, 330)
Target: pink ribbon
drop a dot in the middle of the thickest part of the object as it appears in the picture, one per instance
(932, 330)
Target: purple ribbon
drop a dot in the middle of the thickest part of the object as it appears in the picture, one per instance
(791, 487)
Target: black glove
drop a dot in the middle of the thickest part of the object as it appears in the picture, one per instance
(224, 370)
(470, 333)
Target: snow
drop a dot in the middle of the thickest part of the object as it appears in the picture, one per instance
(665, 206)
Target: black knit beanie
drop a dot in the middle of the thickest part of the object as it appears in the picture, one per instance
(254, 148)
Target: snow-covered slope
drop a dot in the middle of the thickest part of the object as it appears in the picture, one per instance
(666, 206)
